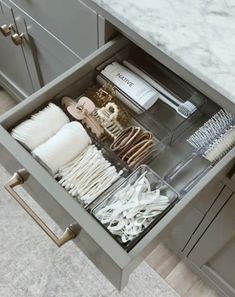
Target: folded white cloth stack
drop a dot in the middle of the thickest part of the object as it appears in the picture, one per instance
(40, 127)
(63, 147)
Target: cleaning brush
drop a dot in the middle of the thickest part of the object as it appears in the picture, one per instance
(184, 109)
(212, 141)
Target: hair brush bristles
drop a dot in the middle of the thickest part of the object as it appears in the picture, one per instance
(216, 137)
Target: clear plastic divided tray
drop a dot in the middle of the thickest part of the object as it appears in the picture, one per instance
(159, 138)
(115, 208)
(160, 116)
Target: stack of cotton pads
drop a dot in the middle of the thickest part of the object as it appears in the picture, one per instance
(40, 127)
(52, 138)
(63, 147)
(88, 175)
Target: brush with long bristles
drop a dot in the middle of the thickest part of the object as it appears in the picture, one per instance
(212, 141)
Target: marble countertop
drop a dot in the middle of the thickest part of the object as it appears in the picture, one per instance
(198, 34)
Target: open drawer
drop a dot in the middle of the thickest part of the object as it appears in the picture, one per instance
(100, 247)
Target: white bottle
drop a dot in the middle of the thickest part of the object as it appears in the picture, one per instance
(132, 85)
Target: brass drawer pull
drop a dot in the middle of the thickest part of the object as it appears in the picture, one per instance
(17, 38)
(6, 29)
(21, 177)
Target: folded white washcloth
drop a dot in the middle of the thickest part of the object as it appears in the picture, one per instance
(40, 127)
(63, 147)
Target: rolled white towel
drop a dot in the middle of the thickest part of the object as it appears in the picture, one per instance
(63, 147)
(40, 127)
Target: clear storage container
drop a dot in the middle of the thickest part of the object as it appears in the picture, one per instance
(118, 196)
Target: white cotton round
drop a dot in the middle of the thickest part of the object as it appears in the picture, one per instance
(40, 127)
(63, 147)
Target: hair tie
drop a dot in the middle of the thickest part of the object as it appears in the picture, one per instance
(125, 139)
(133, 145)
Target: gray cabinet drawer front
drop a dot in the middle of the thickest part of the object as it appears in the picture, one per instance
(37, 191)
(229, 180)
(63, 219)
(101, 248)
(181, 237)
(13, 66)
(58, 204)
(215, 251)
(47, 57)
(218, 233)
(71, 21)
(220, 199)
(211, 200)
(221, 264)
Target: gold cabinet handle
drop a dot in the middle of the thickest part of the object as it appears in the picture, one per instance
(6, 29)
(17, 38)
(21, 177)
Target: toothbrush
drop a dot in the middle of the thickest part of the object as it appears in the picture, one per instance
(184, 109)
(212, 141)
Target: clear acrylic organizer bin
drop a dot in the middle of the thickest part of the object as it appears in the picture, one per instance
(108, 198)
(161, 118)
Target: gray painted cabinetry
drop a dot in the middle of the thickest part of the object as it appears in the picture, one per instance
(72, 22)
(213, 247)
(47, 57)
(214, 252)
(180, 223)
(13, 67)
(209, 247)
(55, 36)
(180, 235)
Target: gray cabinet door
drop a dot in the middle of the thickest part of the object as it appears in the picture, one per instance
(181, 237)
(215, 251)
(46, 56)
(14, 73)
(72, 22)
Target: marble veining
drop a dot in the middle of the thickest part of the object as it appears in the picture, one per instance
(199, 35)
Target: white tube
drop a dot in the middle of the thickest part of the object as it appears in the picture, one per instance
(131, 84)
